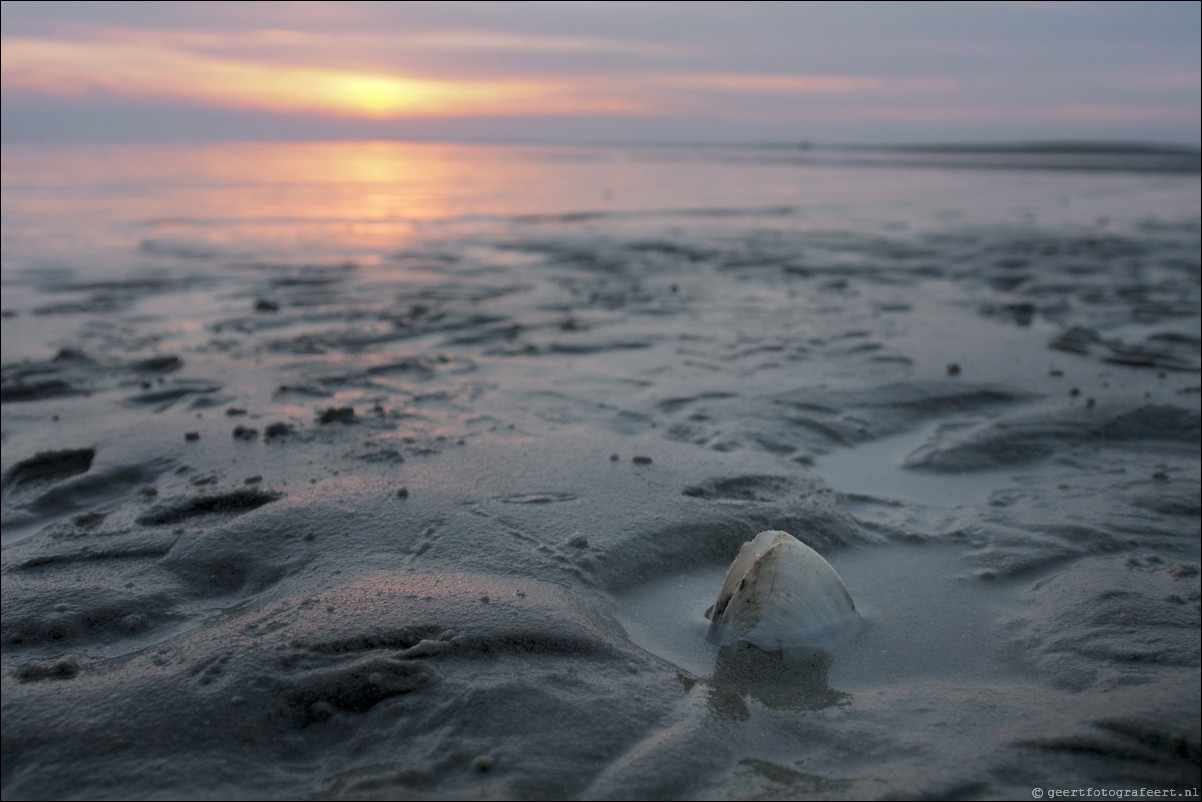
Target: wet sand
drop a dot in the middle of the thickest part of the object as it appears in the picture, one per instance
(305, 495)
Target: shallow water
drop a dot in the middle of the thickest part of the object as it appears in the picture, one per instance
(379, 469)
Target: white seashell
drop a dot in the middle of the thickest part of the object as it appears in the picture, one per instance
(780, 594)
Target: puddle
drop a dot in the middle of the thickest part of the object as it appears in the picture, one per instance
(667, 618)
(927, 618)
(875, 469)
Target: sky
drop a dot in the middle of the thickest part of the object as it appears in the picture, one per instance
(603, 72)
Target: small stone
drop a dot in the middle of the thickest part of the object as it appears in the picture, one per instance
(402, 492)
(641, 460)
(336, 414)
(277, 429)
(191, 437)
(953, 369)
(245, 433)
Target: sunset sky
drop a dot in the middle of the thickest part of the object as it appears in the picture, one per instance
(831, 73)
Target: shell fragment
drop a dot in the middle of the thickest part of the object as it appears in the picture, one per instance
(780, 594)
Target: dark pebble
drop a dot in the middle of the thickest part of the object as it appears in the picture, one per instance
(277, 429)
(337, 414)
(245, 432)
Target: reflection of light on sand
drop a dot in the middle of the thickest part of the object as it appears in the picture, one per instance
(343, 198)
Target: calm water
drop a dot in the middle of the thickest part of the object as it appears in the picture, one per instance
(93, 207)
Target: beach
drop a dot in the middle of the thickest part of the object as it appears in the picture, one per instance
(385, 470)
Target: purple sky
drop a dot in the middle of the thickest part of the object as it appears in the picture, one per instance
(831, 73)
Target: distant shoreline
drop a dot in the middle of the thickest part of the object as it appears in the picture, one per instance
(1059, 155)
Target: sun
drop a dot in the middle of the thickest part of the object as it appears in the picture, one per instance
(376, 95)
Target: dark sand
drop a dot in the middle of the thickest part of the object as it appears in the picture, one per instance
(304, 495)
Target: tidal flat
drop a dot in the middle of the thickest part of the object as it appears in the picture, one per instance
(377, 470)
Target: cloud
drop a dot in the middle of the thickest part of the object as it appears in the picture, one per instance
(806, 84)
(152, 68)
(525, 43)
(305, 71)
